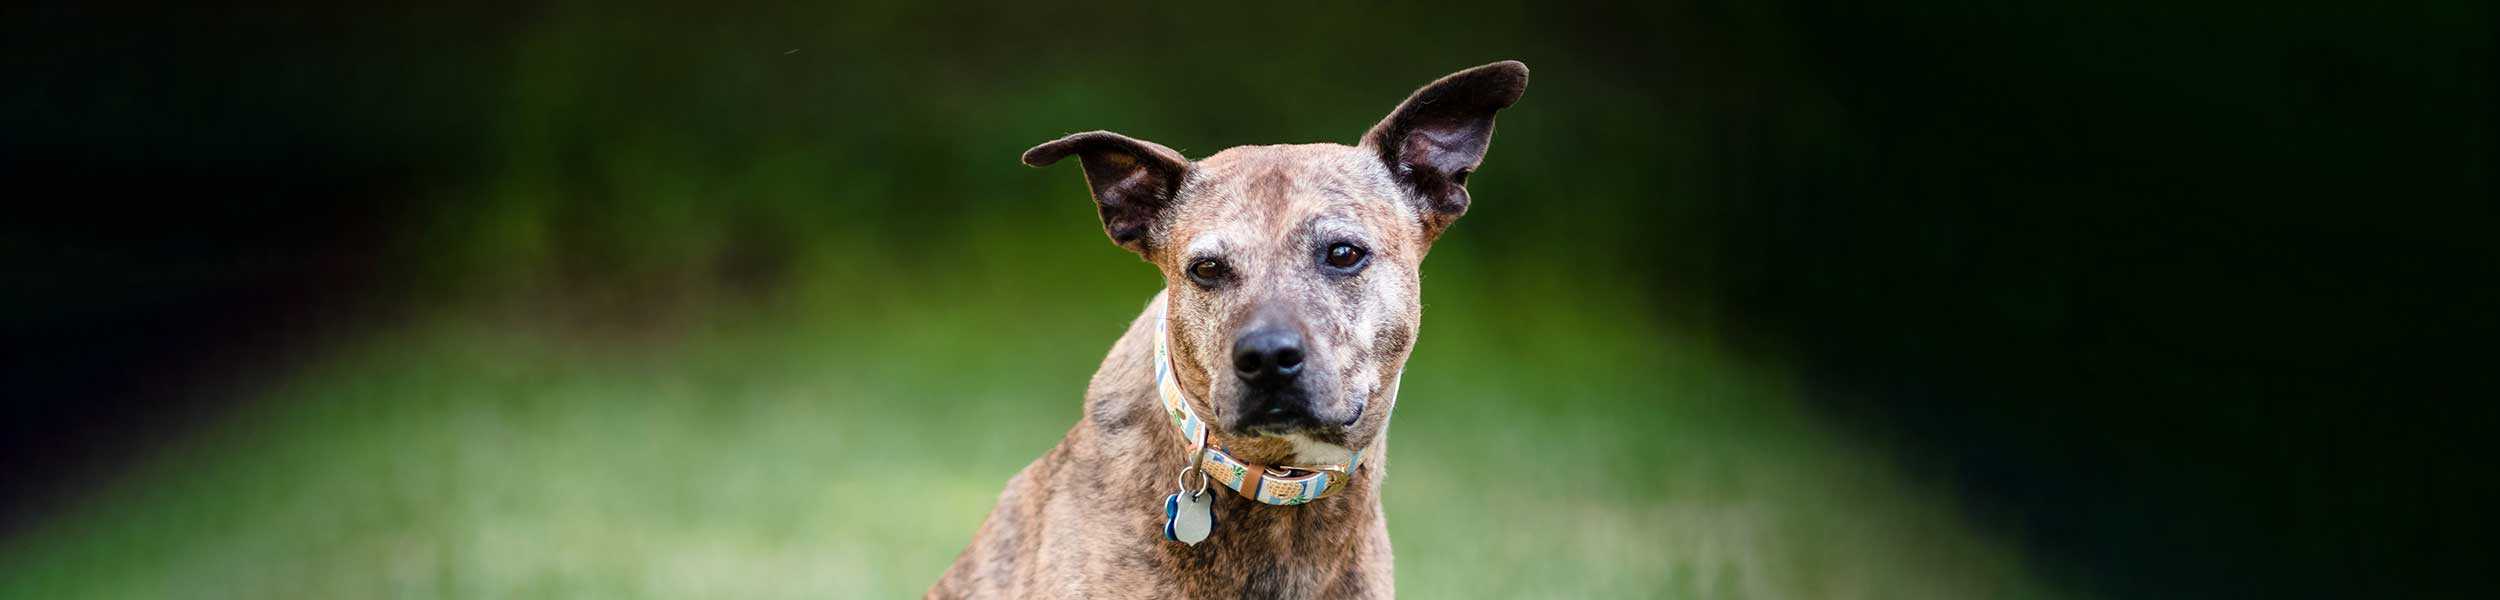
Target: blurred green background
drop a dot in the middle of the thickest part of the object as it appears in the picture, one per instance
(678, 299)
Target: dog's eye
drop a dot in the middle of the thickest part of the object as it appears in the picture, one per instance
(1207, 271)
(1343, 256)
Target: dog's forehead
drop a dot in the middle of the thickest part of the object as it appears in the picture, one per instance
(1274, 190)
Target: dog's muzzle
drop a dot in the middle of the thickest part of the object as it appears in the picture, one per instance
(1268, 357)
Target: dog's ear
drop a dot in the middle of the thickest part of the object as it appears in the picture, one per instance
(1438, 136)
(1134, 180)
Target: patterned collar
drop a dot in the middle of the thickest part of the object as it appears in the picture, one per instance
(1284, 485)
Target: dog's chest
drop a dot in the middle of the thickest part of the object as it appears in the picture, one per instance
(1270, 552)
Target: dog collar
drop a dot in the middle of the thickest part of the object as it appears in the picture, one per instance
(1283, 485)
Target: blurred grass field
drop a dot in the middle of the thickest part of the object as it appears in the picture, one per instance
(717, 304)
(834, 440)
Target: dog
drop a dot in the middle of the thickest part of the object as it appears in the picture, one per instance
(1234, 441)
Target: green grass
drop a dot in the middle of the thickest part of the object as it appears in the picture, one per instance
(839, 443)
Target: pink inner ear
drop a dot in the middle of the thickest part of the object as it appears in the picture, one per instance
(1444, 128)
(1445, 151)
(1129, 196)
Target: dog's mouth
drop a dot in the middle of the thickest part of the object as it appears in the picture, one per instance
(1277, 413)
(1280, 414)
(1270, 423)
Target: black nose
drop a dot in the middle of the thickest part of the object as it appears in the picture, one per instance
(1268, 357)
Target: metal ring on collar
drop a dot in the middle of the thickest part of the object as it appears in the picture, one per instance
(1182, 481)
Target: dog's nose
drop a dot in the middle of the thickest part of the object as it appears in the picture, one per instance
(1268, 357)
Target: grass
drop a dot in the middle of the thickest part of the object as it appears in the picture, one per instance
(845, 444)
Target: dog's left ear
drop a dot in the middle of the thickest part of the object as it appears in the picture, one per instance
(1438, 136)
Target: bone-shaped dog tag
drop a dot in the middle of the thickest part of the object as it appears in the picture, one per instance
(1188, 520)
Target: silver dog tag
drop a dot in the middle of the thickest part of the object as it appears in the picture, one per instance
(1188, 520)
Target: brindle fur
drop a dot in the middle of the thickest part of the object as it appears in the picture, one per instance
(1085, 520)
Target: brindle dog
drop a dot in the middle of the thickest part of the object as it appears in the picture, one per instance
(1291, 300)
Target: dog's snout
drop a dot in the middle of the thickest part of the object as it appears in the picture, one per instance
(1268, 357)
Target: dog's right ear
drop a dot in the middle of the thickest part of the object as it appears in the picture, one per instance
(1438, 136)
(1134, 180)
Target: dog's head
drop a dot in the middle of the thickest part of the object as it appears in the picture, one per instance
(1291, 270)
